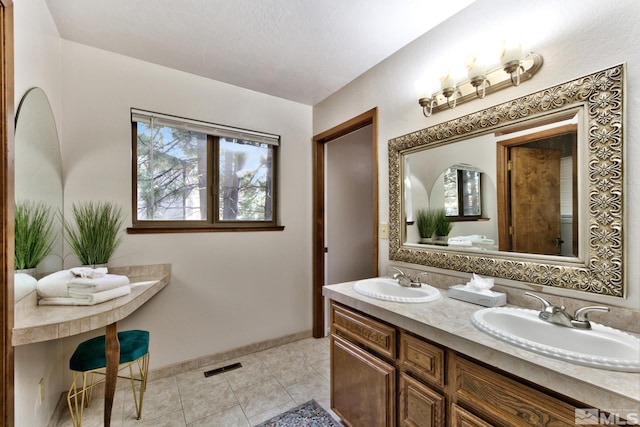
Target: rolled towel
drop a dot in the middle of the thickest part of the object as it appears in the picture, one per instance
(24, 284)
(81, 287)
(88, 272)
(55, 284)
(88, 299)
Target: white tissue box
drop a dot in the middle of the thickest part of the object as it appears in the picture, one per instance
(486, 298)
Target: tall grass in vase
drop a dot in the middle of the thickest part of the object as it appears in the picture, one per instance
(33, 233)
(95, 234)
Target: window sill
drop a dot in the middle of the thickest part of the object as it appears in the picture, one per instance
(166, 230)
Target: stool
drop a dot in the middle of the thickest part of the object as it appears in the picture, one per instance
(90, 358)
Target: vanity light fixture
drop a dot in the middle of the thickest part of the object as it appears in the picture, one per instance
(514, 69)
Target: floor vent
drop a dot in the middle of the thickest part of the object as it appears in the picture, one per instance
(223, 369)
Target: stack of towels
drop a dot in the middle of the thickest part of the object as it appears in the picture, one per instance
(81, 286)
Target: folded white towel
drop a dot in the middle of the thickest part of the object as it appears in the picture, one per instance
(88, 272)
(89, 299)
(81, 287)
(55, 284)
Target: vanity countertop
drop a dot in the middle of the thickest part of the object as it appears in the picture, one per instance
(448, 322)
(34, 323)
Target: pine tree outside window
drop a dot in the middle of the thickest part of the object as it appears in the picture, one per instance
(196, 175)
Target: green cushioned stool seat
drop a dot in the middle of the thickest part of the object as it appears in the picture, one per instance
(91, 354)
(90, 359)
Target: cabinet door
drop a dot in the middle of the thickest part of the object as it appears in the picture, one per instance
(362, 386)
(419, 406)
(463, 418)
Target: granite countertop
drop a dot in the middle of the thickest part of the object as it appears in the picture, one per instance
(34, 323)
(448, 322)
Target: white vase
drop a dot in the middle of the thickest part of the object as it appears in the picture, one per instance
(30, 271)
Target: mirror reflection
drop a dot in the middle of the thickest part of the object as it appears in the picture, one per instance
(583, 187)
(512, 190)
(38, 170)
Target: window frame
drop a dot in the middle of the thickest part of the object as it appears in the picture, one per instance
(211, 224)
(460, 195)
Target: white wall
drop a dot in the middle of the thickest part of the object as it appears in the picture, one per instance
(37, 54)
(228, 289)
(575, 37)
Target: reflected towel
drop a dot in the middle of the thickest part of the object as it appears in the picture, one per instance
(88, 272)
(81, 287)
(88, 299)
(55, 284)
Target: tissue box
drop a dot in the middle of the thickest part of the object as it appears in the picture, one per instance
(486, 298)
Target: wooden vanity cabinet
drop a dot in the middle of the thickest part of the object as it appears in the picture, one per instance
(426, 385)
(503, 401)
(421, 401)
(363, 372)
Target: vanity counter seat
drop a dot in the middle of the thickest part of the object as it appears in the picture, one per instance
(34, 323)
(447, 323)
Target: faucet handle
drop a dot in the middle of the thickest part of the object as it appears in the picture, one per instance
(581, 313)
(399, 272)
(545, 304)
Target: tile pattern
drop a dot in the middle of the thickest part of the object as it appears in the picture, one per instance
(269, 383)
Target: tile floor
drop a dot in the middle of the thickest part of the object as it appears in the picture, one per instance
(269, 383)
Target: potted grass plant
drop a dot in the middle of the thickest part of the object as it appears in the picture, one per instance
(95, 232)
(425, 220)
(33, 234)
(442, 226)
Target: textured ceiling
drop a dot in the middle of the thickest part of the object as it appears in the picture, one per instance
(301, 50)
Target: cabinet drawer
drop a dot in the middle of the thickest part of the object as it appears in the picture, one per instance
(462, 418)
(504, 401)
(418, 405)
(361, 329)
(423, 360)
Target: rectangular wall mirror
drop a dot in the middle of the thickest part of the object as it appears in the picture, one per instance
(532, 187)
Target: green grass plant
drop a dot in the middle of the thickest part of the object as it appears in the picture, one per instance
(425, 220)
(442, 224)
(95, 234)
(33, 233)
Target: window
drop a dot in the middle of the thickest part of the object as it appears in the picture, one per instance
(195, 175)
(462, 196)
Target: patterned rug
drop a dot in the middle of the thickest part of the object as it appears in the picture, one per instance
(308, 414)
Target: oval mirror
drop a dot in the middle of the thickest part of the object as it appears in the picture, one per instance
(38, 169)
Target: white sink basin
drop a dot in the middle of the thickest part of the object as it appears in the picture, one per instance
(389, 290)
(600, 347)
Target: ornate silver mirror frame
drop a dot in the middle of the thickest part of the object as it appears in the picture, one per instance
(602, 270)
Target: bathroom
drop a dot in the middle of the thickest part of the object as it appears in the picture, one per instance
(216, 303)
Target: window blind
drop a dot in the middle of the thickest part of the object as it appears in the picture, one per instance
(157, 119)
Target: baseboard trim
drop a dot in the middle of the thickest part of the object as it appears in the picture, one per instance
(200, 362)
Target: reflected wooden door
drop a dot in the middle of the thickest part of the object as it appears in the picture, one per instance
(535, 200)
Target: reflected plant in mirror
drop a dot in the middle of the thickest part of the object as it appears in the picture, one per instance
(533, 188)
(34, 233)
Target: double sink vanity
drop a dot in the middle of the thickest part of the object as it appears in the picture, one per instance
(417, 357)
(426, 364)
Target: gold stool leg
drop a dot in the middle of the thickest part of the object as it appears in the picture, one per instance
(143, 367)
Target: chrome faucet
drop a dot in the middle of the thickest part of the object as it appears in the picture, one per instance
(405, 279)
(558, 315)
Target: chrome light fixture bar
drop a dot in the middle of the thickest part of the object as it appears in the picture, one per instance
(513, 72)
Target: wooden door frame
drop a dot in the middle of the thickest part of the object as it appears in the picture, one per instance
(6, 210)
(502, 173)
(365, 119)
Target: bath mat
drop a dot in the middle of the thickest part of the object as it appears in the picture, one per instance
(308, 414)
